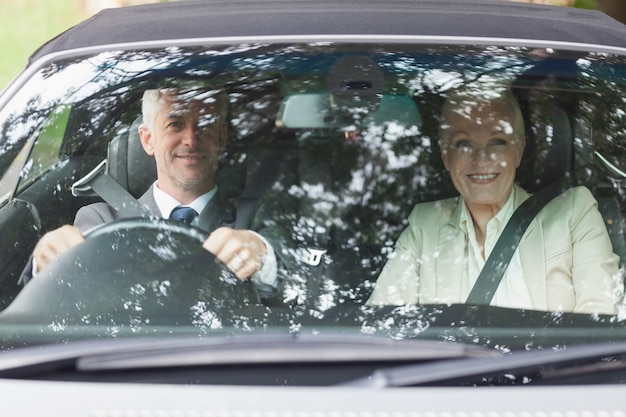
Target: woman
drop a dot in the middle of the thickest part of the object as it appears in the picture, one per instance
(564, 261)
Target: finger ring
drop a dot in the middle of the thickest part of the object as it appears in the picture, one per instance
(236, 263)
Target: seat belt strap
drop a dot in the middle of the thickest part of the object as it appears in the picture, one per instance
(496, 265)
(104, 186)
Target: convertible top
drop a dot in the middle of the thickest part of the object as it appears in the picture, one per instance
(228, 18)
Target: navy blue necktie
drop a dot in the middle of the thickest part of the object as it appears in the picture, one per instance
(183, 214)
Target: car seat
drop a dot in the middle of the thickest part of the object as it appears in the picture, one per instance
(548, 156)
(551, 155)
(129, 164)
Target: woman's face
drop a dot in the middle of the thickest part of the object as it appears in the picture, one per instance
(482, 147)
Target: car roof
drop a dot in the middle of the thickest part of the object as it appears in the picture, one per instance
(235, 18)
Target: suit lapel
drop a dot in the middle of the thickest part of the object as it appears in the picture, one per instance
(531, 246)
(449, 262)
(218, 212)
(147, 199)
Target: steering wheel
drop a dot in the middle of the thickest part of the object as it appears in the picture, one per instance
(137, 271)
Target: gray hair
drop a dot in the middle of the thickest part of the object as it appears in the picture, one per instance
(151, 98)
(474, 95)
(150, 105)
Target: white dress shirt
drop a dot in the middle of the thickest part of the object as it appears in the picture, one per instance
(512, 291)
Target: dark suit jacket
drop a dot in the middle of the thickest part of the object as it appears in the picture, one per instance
(217, 213)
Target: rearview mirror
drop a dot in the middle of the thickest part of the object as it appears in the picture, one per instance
(317, 111)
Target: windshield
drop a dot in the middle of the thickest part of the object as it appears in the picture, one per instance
(379, 177)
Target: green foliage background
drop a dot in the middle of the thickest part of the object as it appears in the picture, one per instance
(25, 25)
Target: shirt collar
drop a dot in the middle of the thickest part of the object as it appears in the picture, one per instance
(501, 218)
(166, 203)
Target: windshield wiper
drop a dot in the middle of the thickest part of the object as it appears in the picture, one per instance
(570, 362)
(277, 349)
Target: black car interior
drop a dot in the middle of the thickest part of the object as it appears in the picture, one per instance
(258, 173)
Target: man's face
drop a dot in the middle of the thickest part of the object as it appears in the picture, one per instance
(482, 150)
(187, 138)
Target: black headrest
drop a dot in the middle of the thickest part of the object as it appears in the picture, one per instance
(129, 164)
(555, 140)
(549, 146)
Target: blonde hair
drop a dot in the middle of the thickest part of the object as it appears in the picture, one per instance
(473, 95)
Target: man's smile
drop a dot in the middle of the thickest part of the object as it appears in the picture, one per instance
(191, 157)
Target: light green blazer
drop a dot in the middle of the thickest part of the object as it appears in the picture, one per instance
(567, 257)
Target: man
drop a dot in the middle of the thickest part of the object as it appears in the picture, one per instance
(185, 131)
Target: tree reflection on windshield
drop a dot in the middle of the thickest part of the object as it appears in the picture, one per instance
(332, 198)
